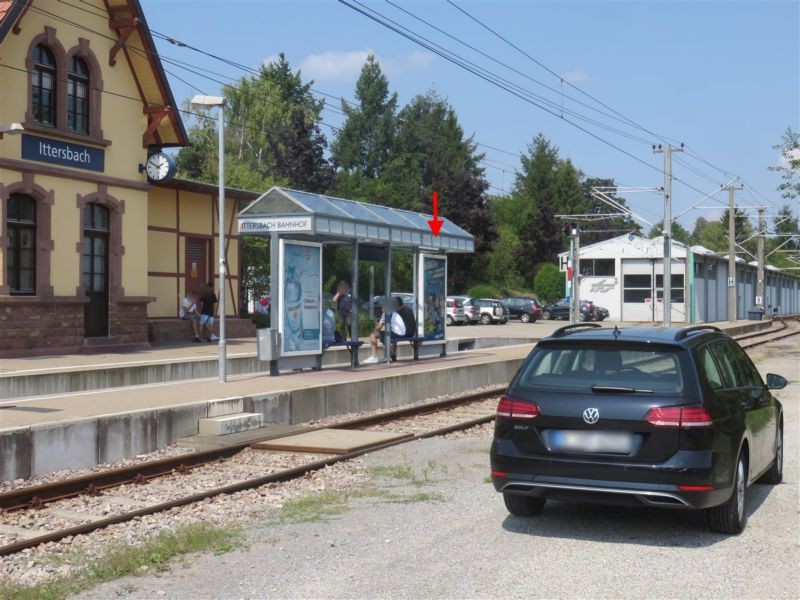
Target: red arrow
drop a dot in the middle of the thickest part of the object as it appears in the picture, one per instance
(435, 223)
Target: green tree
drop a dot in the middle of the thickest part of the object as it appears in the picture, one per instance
(258, 109)
(536, 192)
(679, 232)
(788, 164)
(714, 237)
(363, 145)
(605, 228)
(502, 262)
(744, 230)
(299, 151)
(785, 223)
(699, 226)
(550, 283)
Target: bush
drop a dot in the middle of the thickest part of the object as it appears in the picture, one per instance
(260, 320)
(366, 324)
(550, 283)
(482, 290)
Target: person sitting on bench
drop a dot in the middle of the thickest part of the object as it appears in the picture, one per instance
(398, 325)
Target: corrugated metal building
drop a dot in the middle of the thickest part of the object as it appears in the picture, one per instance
(625, 275)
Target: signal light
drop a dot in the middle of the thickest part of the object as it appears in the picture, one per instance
(511, 408)
(685, 417)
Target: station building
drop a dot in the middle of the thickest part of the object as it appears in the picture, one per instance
(92, 253)
(625, 274)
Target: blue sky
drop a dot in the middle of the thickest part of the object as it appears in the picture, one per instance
(723, 77)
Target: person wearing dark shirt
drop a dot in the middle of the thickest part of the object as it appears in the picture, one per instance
(209, 301)
(344, 306)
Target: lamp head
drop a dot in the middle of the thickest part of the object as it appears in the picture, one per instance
(207, 101)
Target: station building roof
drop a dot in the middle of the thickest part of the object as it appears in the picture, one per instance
(333, 220)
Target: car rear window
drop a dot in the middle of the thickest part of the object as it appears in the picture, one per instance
(578, 368)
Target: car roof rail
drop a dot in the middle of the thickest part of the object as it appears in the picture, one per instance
(567, 329)
(684, 332)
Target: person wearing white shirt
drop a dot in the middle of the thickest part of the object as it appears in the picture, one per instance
(397, 328)
(189, 312)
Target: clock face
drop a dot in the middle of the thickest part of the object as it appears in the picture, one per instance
(158, 167)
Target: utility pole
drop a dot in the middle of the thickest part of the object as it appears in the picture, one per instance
(731, 251)
(576, 273)
(762, 230)
(571, 274)
(667, 230)
(573, 270)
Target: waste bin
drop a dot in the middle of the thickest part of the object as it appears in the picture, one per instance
(755, 315)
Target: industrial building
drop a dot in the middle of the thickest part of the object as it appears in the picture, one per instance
(625, 275)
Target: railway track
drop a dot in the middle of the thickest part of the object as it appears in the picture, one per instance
(788, 327)
(124, 494)
(118, 493)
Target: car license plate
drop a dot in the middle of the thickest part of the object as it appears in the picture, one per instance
(606, 442)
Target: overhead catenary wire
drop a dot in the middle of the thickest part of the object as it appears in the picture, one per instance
(195, 70)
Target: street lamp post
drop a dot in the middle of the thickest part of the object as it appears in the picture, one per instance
(219, 102)
(11, 129)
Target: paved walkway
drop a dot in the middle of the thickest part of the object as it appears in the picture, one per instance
(23, 412)
(168, 353)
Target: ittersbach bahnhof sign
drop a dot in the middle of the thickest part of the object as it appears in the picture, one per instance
(62, 153)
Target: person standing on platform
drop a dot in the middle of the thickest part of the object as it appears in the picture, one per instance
(209, 300)
(344, 307)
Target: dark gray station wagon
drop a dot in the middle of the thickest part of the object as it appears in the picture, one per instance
(674, 418)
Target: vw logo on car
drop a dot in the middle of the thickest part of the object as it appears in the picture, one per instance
(591, 415)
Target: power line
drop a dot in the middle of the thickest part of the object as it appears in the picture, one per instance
(412, 37)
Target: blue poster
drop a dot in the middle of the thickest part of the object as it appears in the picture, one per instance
(301, 267)
(434, 275)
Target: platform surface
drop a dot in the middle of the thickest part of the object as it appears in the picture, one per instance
(331, 441)
(23, 412)
(60, 407)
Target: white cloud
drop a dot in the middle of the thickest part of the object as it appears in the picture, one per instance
(346, 65)
(575, 76)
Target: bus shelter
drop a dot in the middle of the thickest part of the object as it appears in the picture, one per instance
(300, 225)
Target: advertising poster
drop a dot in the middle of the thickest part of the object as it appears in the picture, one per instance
(301, 273)
(434, 282)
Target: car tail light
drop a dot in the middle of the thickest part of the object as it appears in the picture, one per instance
(695, 488)
(511, 408)
(685, 417)
(499, 474)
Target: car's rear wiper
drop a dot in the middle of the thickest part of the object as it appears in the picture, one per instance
(608, 389)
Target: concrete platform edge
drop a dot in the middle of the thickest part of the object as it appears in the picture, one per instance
(80, 443)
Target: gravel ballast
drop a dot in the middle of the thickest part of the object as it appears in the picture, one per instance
(437, 529)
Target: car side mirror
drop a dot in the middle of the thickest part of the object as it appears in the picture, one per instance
(776, 382)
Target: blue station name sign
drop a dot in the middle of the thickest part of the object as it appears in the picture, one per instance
(66, 154)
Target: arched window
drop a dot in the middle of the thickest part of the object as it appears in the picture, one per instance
(43, 84)
(21, 230)
(78, 95)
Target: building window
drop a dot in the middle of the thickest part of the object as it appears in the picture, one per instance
(78, 95)
(95, 247)
(43, 86)
(637, 288)
(597, 267)
(21, 258)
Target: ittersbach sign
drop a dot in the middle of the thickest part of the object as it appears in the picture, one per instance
(62, 153)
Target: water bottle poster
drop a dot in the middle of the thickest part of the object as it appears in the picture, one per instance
(434, 272)
(301, 268)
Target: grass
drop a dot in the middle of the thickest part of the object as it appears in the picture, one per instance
(120, 561)
(313, 507)
(406, 473)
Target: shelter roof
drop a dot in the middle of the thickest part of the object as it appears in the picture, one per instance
(338, 219)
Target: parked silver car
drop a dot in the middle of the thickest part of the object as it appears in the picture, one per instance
(455, 311)
(471, 309)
